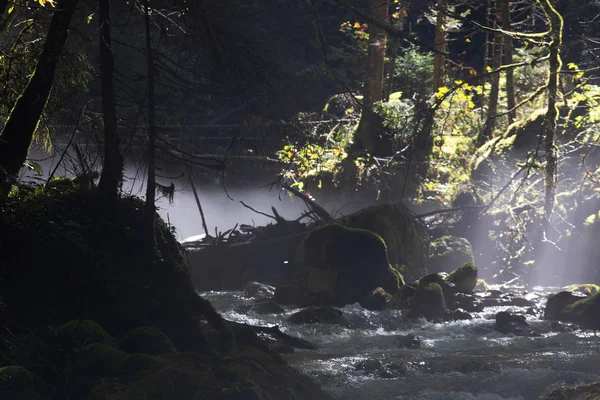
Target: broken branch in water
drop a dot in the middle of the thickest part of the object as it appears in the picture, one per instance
(323, 215)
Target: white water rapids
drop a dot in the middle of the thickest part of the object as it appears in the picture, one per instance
(462, 360)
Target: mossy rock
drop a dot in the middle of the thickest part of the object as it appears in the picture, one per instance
(341, 265)
(173, 382)
(586, 288)
(141, 362)
(557, 302)
(405, 235)
(581, 392)
(99, 360)
(464, 277)
(401, 300)
(147, 340)
(585, 312)
(428, 302)
(449, 252)
(16, 383)
(79, 333)
(516, 141)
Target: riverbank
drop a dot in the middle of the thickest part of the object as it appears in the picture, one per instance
(84, 317)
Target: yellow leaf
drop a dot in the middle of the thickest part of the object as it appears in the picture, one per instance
(488, 69)
(10, 10)
(468, 40)
(356, 25)
(395, 15)
(89, 18)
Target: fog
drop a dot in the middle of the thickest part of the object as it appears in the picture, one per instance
(558, 262)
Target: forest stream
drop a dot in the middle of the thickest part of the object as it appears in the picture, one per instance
(380, 355)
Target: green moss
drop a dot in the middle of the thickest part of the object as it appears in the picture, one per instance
(79, 333)
(147, 340)
(173, 383)
(141, 362)
(482, 284)
(16, 383)
(431, 287)
(464, 277)
(344, 265)
(432, 278)
(586, 288)
(590, 391)
(100, 360)
(404, 235)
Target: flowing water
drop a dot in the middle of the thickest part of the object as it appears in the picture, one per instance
(456, 360)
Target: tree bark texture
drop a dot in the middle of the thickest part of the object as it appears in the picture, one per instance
(490, 124)
(508, 59)
(112, 170)
(369, 131)
(556, 26)
(23, 120)
(393, 43)
(439, 61)
(151, 182)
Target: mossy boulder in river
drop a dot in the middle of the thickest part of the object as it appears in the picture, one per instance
(571, 307)
(464, 277)
(428, 302)
(341, 265)
(405, 236)
(449, 252)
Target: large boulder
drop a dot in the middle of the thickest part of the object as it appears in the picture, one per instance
(428, 302)
(584, 312)
(340, 265)
(558, 301)
(405, 235)
(449, 252)
(464, 277)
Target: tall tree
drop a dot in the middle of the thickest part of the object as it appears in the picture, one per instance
(397, 22)
(23, 120)
(150, 209)
(556, 27)
(369, 133)
(113, 160)
(504, 11)
(492, 110)
(439, 61)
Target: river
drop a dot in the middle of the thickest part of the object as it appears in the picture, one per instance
(462, 360)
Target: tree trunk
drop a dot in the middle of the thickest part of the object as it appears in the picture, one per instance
(369, 131)
(488, 22)
(151, 183)
(508, 59)
(556, 26)
(439, 61)
(20, 126)
(393, 43)
(490, 124)
(112, 170)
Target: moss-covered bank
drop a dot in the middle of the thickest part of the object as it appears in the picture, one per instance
(73, 285)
